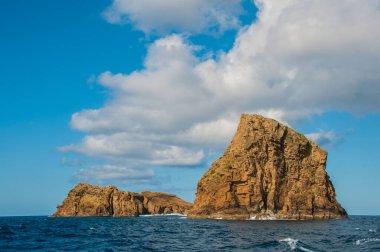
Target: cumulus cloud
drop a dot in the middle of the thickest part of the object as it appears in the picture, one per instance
(328, 138)
(144, 149)
(324, 138)
(298, 59)
(108, 173)
(165, 16)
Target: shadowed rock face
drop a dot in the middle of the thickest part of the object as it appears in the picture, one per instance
(268, 171)
(90, 200)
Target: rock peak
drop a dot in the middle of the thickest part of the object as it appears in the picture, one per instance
(268, 171)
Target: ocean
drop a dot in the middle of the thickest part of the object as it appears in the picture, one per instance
(177, 233)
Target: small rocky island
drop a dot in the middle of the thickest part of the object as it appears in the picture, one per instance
(89, 200)
(269, 171)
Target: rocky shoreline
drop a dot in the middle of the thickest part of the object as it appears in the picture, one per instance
(87, 200)
(269, 171)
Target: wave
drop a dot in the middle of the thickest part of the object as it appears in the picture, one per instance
(5, 231)
(366, 240)
(265, 217)
(293, 244)
(170, 214)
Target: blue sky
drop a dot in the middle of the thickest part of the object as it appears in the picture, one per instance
(112, 93)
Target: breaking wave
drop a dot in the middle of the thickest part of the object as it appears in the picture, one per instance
(170, 214)
(294, 244)
(366, 240)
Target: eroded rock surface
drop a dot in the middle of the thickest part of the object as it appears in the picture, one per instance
(268, 171)
(89, 200)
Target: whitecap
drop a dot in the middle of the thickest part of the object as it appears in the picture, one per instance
(268, 217)
(177, 214)
(306, 250)
(357, 228)
(372, 230)
(170, 214)
(91, 228)
(366, 240)
(291, 242)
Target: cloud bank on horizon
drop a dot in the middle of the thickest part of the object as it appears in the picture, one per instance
(298, 58)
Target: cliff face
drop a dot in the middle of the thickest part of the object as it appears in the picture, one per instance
(268, 171)
(90, 200)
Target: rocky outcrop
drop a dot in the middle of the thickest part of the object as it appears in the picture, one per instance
(90, 200)
(268, 171)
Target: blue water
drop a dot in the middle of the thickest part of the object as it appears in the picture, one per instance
(175, 233)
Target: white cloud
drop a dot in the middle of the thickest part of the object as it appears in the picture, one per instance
(105, 173)
(329, 138)
(147, 150)
(324, 138)
(165, 16)
(175, 155)
(210, 133)
(298, 59)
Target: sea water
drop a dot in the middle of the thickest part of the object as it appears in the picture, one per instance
(177, 233)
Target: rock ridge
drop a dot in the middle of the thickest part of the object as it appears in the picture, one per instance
(90, 200)
(269, 171)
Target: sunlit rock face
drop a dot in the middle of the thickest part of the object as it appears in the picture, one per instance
(89, 200)
(269, 171)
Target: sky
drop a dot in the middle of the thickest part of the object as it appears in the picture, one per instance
(146, 94)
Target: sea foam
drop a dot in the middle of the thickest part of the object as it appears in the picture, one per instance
(170, 214)
(366, 240)
(293, 244)
(263, 217)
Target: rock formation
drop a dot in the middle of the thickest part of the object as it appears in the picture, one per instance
(90, 200)
(268, 171)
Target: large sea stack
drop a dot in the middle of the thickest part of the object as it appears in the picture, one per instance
(89, 200)
(269, 171)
